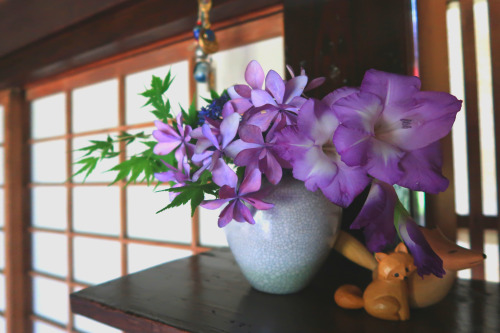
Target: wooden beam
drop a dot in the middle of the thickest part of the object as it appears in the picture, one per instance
(126, 27)
(434, 73)
(18, 213)
(45, 17)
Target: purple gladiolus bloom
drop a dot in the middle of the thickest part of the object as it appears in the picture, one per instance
(213, 145)
(426, 260)
(236, 199)
(377, 216)
(255, 153)
(388, 118)
(169, 139)
(309, 148)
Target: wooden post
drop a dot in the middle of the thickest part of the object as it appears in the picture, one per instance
(434, 73)
(18, 212)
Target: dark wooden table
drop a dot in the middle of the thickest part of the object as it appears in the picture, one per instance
(207, 293)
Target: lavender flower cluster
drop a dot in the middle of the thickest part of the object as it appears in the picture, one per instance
(383, 133)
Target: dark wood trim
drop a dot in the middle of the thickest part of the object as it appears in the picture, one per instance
(473, 141)
(433, 70)
(45, 18)
(494, 9)
(17, 213)
(130, 26)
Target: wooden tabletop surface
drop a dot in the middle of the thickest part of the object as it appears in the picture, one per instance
(207, 293)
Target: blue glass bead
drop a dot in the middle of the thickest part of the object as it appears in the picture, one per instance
(209, 35)
(196, 32)
(201, 72)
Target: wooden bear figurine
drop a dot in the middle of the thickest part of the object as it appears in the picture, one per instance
(387, 296)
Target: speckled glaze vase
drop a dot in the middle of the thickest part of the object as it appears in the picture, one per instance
(282, 252)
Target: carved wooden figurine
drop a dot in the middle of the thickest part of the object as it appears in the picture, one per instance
(387, 296)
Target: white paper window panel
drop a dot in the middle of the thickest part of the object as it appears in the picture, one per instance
(2, 292)
(3, 325)
(49, 207)
(41, 327)
(210, 233)
(50, 253)
(101, 173)
(2, 165)
(2, 250)
(50, 299)
(230, 64)
(137, 83)
(49, 162)
(172, 225)
(95, 106)
(96, 260)
(84, 324)
(2, 122)
(96, 209)
(144, 256)
(137, 146)
(2, 207)
(48, 116)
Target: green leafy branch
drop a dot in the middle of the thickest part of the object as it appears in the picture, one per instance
(154, 95)
(192, 191)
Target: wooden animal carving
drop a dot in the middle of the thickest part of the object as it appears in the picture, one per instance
(387, 296)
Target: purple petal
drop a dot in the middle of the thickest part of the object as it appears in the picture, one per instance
(164, 148)
(239, 105)
(334, 96)
(393, 89)
(227, 192)
(354, 146)
(222, 174)
(273, 170)
(254, 75)
(257, 203)
(294, 87)
(422, 170)
(235, 147)
(359, 111)
(161, 136)
(226, 215)
(262, 119)
(229, 128)
(384, 162)
(202, 145)
(275, 85)
(318, 121)
(297, 102)
(428, 120)
(167, 129)
(377, 216)
(207, 132)
(251, 182)
(243, 90)
(314, 168)
(426, 260)
(251, 134)
(262, 97)
(214, 204)
(247, 156)
(166, 176)
(243, 212)
(315, 83)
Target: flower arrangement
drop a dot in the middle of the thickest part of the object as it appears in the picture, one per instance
(383, 133)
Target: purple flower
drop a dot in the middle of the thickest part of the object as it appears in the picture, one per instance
(380, 213)
(426, 260)
(388, 118)
(179, 176)
(212, 145)
(309, 148)
(255, 153)
(169, 139)
(236, 199)
(277, 103)
(377, 216)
